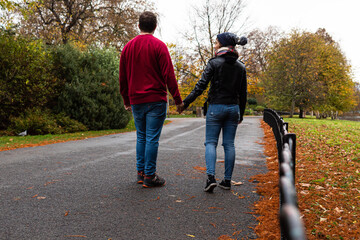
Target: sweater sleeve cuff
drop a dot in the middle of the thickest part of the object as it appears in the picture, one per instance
(178, 100)
(126, 102)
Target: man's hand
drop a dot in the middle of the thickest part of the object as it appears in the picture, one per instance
(180, 108)
(127, 108)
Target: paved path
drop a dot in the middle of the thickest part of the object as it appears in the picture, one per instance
(87, 188)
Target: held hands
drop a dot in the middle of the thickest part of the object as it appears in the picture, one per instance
(180, 108)
(127, 108)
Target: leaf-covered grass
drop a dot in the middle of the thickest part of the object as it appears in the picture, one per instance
(13, 142)
(327, 180)
(328, 176)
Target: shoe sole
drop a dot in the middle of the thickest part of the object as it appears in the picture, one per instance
(147, 186)
(225, 188)
(140, 182)
(211, 187)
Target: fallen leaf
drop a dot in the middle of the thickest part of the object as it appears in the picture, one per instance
(155, 199)
(237, 232)
(323, 219)
(189, 235)
(215, 208)
(319, 188)
(35, 196)
(213, 224)
(338, 210)
(41, 198)
(236, 183)
(66, 213)
(200, 168)
(48, 183)
(225, 237)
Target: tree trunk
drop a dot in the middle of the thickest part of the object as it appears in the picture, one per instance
(301, 114)
(199, 112)
(292, 108)
(334, 115)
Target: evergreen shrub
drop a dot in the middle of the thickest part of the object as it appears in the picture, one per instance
(40, 122)
(91, 94)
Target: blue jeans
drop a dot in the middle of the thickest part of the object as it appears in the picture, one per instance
(221, 117)
(149, 119)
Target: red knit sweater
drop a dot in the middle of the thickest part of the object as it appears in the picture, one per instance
(146, 71)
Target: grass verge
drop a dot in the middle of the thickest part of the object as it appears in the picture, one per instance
(327, 172)
(327, 180)
(13, 142)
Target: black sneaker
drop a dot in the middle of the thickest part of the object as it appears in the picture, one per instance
(153, 181)
(140, 177)
(210, 184)
(225, 184)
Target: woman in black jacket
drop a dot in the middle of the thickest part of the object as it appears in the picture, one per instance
(227, 100)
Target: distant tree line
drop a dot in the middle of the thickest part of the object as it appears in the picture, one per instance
(298, 71)
(59, 63)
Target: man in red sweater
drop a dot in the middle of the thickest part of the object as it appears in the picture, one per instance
(146, 72)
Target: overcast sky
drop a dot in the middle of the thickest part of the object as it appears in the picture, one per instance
(341, 20)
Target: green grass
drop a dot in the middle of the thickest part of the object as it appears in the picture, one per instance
(12, 142)
(328, 160)
(334, 133)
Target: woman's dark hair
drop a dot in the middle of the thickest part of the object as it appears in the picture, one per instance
(147, 22)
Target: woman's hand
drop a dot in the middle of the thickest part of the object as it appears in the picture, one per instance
(180, 108)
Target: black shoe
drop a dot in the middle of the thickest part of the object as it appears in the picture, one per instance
(153, 181)
(210, 184)
(140, 177)
(225, 184)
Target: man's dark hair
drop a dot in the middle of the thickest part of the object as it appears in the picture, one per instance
(147, 22)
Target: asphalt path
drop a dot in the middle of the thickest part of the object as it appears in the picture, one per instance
(87, 189)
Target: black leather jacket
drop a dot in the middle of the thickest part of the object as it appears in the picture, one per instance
(228, 84)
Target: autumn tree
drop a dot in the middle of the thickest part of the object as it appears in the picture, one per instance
(308, 71)
(357, 97)
(10, 10)
(253, 55)
(111, 22)
(26, 79)
(207, 21)
(187, 71)
(212, 18)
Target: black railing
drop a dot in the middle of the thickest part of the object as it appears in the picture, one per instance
(292, 227)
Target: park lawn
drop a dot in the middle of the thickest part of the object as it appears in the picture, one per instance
(13, 142)
(327, 179)
(328, 176)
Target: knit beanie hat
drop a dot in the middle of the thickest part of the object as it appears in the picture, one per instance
(230, 39)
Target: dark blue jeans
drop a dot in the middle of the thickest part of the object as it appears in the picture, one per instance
(149, 119)
(221, 117)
